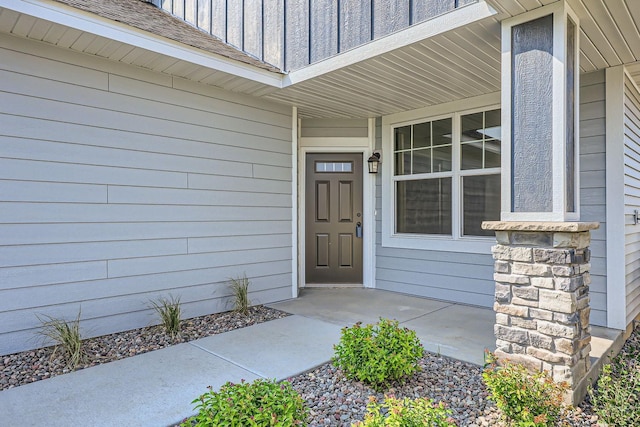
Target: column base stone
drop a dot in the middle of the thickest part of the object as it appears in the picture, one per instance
(542, 298)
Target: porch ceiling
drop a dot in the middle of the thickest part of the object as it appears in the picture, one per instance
(461, 63)
(457, 64)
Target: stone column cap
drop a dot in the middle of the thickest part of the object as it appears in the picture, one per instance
(548, 226)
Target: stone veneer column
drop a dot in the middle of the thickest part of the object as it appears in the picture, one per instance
(542, 298)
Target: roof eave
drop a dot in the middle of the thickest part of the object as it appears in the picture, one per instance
(90, 23)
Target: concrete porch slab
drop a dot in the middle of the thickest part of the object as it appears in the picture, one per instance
(277, 349)
(346, 306)
(459, 331)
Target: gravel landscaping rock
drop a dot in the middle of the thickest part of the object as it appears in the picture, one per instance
(34, 365)
(334, 400)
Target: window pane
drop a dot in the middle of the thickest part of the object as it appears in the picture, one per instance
(472, 155)
(480, 202)
(492, 121)
(442, 132)
(422, 161)
(422, 135)
(424, 206)
(485, 128)
(403, 163)
(492, 153)
(472, 127)
(333, 166)
(441, 159)
(403, 138)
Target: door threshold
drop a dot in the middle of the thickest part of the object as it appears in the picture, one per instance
(333, 285)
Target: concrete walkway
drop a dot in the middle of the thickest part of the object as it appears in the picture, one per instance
(156, 388)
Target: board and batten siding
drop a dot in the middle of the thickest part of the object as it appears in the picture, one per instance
(592, 166)
(468, 277)
(291, 34)
(118, 186)
(631, 197)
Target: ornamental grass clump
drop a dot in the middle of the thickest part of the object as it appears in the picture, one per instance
(525, 399)
(240, 289)
(378, 354)
(257, 404)
(170, 314)
(616, 397)
(67, 336)
(405, 413)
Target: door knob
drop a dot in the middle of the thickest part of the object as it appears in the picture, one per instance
(359, 229)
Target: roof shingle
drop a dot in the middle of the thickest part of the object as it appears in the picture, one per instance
(145, 16)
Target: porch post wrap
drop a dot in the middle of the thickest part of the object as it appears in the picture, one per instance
(541, 275)
(540, 122)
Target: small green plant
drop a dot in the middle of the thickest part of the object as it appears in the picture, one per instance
(405, 413)
(65, 335)
(525, 399)
(616, 398)
(240, 289)
(170, 314)
(378, 354)
(256, 404)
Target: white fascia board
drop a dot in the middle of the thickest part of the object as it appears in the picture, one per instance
(413, 34)
(90, 23)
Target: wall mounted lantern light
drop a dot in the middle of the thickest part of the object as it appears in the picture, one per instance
(374, 162)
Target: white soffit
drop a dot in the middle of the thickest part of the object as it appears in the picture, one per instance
(609, 33)
(458, 64)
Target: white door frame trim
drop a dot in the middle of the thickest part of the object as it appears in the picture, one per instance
(368, 202)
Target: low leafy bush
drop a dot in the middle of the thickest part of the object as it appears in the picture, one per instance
(405, 413)
(616, 398)
(525, 399)
(65, 335)
(170, 314)
(378, 354)
(256, 404)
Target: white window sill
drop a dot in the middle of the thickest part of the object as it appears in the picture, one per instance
(477, 245)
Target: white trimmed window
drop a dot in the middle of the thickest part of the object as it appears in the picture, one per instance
(444, 181)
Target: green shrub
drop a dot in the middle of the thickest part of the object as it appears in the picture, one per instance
(616, 398)
(67, 336)
(170, 314)
(260, 403)
(240, 289)
(377, 354)
(525, 399)
(405, 413)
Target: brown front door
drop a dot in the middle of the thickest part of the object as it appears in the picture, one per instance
(334, 223)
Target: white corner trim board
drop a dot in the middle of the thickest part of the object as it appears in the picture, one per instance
(616, 282)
